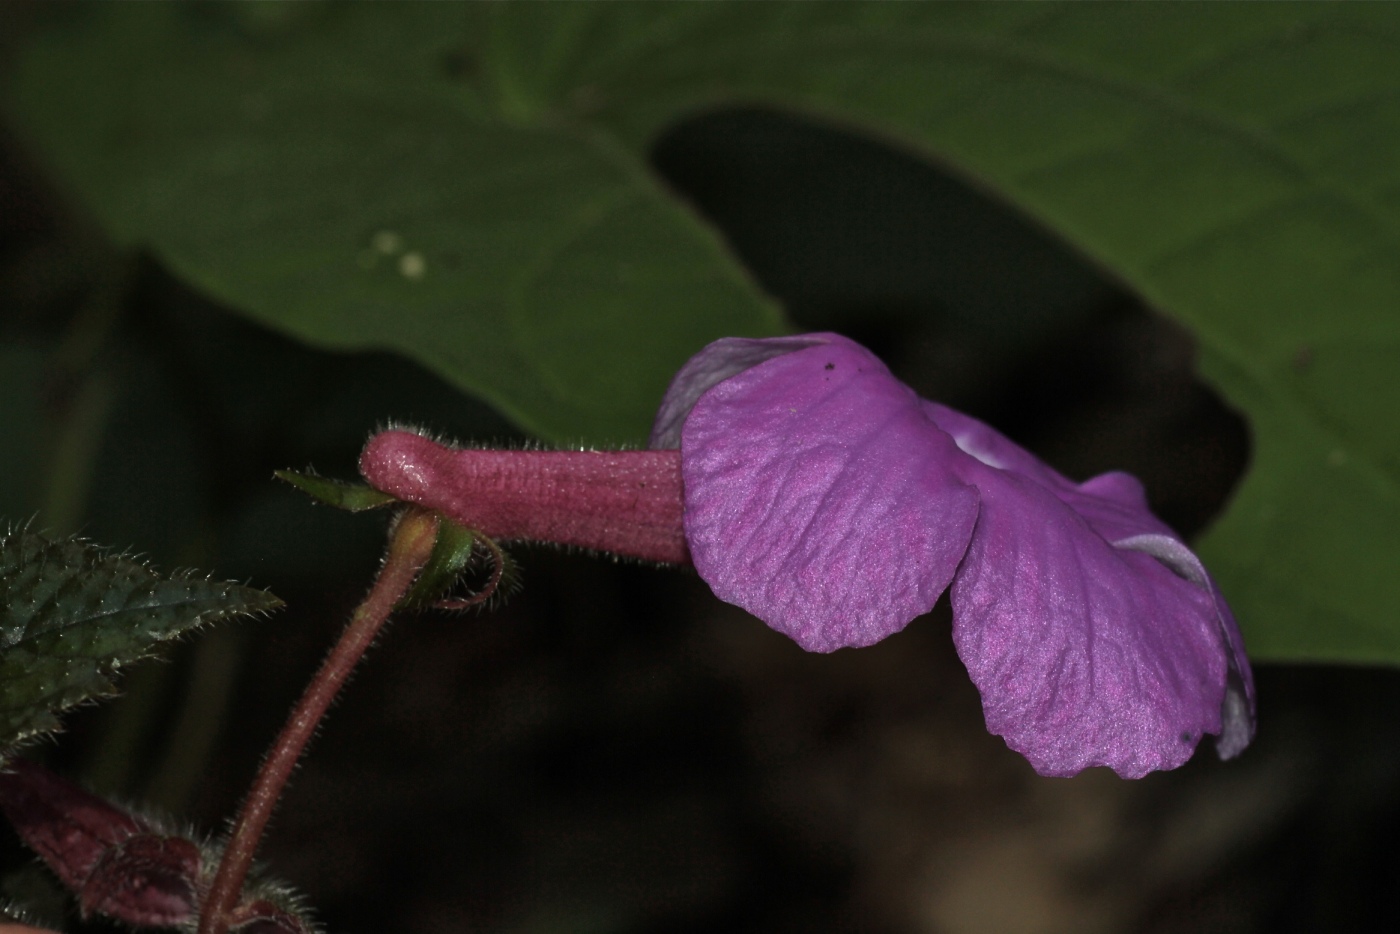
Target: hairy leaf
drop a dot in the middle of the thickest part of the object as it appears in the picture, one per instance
(72, 614)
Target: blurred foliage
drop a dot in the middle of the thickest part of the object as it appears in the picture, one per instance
(469, 185)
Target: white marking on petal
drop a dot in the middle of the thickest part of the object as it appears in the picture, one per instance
(1236, 719)
(966, 444)
(1237, 710)
(1179, 559)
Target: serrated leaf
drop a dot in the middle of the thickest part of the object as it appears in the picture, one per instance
(352, 497)
(72, 614)
(1234, 163)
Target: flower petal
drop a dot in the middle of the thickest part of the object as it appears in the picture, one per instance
(1113, 503)
(1115, 506)
(819, 497)
(1085, 654)
(1238, 711)
(717, 362)
(993, 448)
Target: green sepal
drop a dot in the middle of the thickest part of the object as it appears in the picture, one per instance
(452, 553)
(72, 614)
(352, 497)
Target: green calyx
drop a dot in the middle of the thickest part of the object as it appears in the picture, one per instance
(352, 497)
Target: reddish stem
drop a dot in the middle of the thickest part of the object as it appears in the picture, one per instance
(622, 502)
(408, 551)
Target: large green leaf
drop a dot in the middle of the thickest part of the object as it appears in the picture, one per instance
(336, 180)
(71, 615)
(1238, 165)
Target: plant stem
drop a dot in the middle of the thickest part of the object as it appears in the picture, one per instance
(409, 548)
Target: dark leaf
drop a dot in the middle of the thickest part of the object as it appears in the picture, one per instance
(150, 880)
(71, 614)
(116, 863)
(263, 916)
(123, 866)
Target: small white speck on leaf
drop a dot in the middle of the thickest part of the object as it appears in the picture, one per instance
(412, 266)
(387, 242)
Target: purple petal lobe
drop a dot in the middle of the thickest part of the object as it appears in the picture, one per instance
(1174, 554)
(1113, 503)
(992, 448)
(1085, 654)
(1115, 507)
(1238, 712)
(720, 360)
(819, 498)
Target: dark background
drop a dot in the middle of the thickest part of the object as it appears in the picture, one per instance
(615, 750)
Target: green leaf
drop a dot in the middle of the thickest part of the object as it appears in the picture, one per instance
(352, 497)
(72, 614)
(1234, 163)
(337, 181)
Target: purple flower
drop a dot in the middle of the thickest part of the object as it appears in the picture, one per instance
(826, 498)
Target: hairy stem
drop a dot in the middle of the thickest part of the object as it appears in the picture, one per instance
(409, 549)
